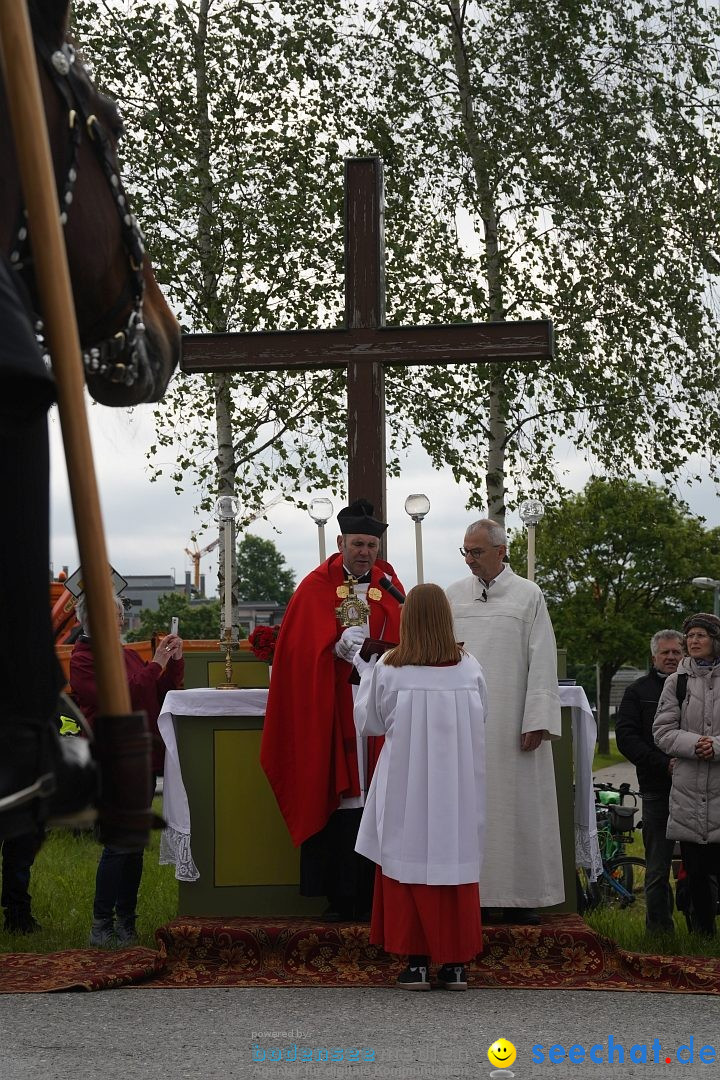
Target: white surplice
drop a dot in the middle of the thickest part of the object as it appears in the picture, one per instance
(511, 635)
(424, 817)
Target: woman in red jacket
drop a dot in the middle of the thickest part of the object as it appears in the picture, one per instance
(119, 870)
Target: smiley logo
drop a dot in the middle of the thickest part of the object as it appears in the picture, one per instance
(502, 1053)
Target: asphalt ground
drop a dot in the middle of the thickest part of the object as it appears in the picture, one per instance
(395, 1035)
(617, 774)
(360, 1034)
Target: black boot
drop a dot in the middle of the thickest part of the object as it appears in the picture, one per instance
(20, 920)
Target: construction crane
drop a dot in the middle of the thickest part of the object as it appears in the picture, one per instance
(196, 556)
(198, 553)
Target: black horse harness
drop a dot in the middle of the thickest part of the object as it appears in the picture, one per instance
(118, 358)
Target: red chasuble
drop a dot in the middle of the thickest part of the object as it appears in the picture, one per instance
(308, 746)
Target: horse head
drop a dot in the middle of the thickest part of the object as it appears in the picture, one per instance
(129, 337)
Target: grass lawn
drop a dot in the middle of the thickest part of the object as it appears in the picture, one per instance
(627, 928)
(62, 886)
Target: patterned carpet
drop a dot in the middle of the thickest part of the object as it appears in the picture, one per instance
(77, 969)
(562, 953)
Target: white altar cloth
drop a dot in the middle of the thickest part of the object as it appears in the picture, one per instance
(584, 729)
(175, 841)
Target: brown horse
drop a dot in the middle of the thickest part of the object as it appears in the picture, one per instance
(129, 336)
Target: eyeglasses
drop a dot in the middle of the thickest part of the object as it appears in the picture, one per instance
(483, 596)
(475, 552)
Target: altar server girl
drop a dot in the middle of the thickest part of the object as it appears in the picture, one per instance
(424, 815)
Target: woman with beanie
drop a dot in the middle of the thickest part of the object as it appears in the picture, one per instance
(687, 727)
(424, 816)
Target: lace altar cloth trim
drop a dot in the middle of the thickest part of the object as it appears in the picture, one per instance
(587, 851)
(175, 851)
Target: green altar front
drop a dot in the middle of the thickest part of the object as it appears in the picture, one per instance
(240, 845)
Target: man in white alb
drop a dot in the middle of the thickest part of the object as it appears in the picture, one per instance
(503, 621)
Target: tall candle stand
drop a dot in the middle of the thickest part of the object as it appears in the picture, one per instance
(228, 644)
(226, 510)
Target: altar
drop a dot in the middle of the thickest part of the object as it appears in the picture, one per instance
(225, 835)
(227, 840)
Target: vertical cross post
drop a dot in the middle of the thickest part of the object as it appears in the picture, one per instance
(365, 308)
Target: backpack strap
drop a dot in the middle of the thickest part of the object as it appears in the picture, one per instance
(681, 687)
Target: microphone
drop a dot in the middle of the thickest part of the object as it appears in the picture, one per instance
(386, 584)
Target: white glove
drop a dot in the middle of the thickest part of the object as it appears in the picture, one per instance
(363, 665)
(349, 643)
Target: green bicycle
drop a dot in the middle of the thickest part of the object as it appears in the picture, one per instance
(622, 881)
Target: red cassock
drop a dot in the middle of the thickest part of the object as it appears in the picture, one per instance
(308, 746)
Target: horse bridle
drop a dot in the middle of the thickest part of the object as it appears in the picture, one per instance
(117, 358)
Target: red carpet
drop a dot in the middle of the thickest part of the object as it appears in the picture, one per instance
(76, 969)
(561, 954)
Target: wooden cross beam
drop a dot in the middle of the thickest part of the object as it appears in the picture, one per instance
(365, 344)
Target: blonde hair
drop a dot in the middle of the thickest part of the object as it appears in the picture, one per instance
(426, 630)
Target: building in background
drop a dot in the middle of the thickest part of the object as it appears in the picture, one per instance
(143, 592)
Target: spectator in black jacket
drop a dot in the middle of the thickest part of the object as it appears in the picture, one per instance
(633, 729)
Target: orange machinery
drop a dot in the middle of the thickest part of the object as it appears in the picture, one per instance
(62, 608)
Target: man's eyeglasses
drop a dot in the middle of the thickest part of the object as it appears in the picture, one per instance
(475, 552)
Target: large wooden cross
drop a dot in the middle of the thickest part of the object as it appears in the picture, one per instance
(365, 344)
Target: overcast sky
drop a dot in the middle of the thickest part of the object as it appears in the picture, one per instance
(148, 526)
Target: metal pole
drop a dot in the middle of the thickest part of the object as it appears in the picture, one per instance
(597, 693)
(419, 551)
(531, 552)
(321, 542)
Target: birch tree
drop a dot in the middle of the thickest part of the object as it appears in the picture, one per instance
(556, 159)
(544, 158)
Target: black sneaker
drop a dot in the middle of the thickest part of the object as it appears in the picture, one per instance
(453, 977)
(414, 978)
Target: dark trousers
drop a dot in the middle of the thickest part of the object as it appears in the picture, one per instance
(702, 861)
(18, 855)
(117, 884)
(658, 856)
(330, 866)
(29, 671)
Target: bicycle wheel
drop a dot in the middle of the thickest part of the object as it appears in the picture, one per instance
(623, 882)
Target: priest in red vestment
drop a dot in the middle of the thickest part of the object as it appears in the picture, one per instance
(316, 764)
